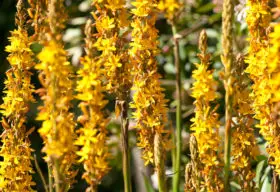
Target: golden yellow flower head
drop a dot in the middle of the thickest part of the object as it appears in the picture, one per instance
(170, 8)
(92, 138)
(274, 69)
(16, 167)
(205, 123)
(148, 100)
(244, 148)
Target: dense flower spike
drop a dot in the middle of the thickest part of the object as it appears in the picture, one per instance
(111, 24)
(148, 100)
(258, 19)
(205, 123)
(16, 167)
(244, 148)
(92, 136)
(58, 126)
(111, 21)
(274, 70)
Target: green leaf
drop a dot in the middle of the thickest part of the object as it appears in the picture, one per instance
(266, 185)
(259, 169)
(148, 185)
(205, 8)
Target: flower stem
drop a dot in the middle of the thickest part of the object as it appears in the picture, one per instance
(176, 179)
(50, 178)
(41, 174)
(159, 162)
(125, 145)
(227, 59)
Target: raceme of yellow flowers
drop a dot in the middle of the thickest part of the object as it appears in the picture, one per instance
(244, 149)
(92, 136)
(258, 20)
(121, 46)
(16, 167)
(274, 81)
(148, 100)
(58, 125)
(205, 123)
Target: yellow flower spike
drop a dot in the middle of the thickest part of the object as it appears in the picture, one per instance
(274, 68)
(92, 137)
(243, 140)
(261, 61)
(148, 100)
(55, 73)
(205, 123)
(16, 167)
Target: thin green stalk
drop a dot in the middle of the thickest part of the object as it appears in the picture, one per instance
(176, 179)
(41, 174)
(159, 162)
(125, 145)
(173, 151)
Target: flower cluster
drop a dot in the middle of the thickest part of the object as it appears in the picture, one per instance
(274, 69)
(111, 25)
(258, 19)
(148, 100)
(57, 128)
(92, 136)
(205, 123)
(169, 8)
(16, 167)
(244, 148)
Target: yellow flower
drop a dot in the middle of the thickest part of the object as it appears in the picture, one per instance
(92, 136)
(169, 8)
(205, 123)
(16, 166)
(273, 66)
(148, 100)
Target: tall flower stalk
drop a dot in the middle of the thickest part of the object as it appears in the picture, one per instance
(227, 60)
(93, 134)
(244, 148)
(148, 100)
(16, 167)
(258, 20)
(57, 128)
(274, 70)
(206, 123)
(170, 8)
(112, 27)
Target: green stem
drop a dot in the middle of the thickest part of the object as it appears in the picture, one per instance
(125, 146)
(41, 174)
(159, 162)
(176, 179)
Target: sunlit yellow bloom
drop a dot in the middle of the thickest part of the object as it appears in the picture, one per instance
(16, 167)
(206, 123)
(274, 69)
(170, 8)
(244, 148)
(148, 100)
(92, 138)
(55, 75)
(258, 19)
